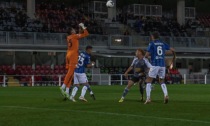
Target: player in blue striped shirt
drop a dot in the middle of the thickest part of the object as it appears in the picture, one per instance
(157, 50)
(80, 76)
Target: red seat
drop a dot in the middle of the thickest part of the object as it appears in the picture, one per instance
(9, 67)
(56, 71)
(56, 67)
(62, 78)
(42, 72)
(48, 67)
(51, 72)
(26, 72)
(62, 71)
(32, 72)
(38, 67)
(37, 78)
(43, 67)
(55, 78)
(46, 72)
(23, 67)
(11, 71)
(28, 67)
(61, 67)
(28, 78)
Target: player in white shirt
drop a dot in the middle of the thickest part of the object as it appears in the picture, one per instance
(139, 66)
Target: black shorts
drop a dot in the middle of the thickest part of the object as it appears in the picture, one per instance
(137, 79)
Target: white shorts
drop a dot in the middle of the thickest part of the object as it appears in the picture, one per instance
(80, 78)
(157, 70)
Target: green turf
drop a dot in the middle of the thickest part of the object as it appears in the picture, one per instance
(189, 105)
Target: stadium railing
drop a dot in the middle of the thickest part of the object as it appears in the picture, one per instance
(108, 41)
(96, 79)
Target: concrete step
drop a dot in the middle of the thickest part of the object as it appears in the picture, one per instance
(13, 82)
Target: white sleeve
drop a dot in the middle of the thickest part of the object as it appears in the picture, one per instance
(147, 63)
(132, 64)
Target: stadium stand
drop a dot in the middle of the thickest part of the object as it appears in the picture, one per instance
(56, 17)
(48, 18)
(13, 18)
(23, 73)
(165, 26)
(59, 17)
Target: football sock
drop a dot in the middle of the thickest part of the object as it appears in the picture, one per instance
(91, 92)
(164, 88)
(148, 90)
(125, 92)
(70, 89)
(67, 90)
(74, 92)
(141, 89)
(63, 86)
(84, 89)
(89, 89)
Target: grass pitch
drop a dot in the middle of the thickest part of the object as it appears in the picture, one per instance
(189, 105)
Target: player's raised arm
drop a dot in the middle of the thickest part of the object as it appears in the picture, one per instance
(85, 33)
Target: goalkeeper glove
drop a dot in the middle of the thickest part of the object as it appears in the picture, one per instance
(82, 26)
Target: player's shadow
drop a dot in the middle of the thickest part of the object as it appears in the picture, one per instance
(134, 100)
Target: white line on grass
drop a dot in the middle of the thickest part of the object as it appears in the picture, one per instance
(108, 113)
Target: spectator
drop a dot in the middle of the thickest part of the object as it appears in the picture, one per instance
(126, 32)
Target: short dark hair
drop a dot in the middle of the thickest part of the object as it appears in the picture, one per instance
(156, 35)
(88, 47)
(69, 30)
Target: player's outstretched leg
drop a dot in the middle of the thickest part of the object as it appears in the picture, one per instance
(148, 92)
(165, 91)
(74, 92)
(126, 90)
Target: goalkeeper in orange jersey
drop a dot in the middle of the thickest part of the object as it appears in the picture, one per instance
(72, 57)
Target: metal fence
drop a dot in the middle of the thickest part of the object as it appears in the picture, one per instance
(96, 79)
(110, 41)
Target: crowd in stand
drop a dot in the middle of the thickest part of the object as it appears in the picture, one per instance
(167, 26)
(54, 18)
(57, 18)
(15, 19)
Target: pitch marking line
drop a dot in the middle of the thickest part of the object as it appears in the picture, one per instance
(108, 113)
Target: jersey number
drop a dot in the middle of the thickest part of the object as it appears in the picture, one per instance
(70, 43)
(81, 61)
(159, 50)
